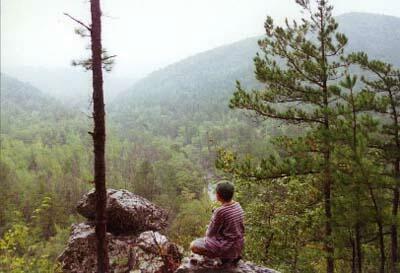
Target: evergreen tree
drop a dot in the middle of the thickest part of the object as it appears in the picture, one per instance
(99, 60)
(384, 81)
(99, 138)
(300, 69)
(354, 168)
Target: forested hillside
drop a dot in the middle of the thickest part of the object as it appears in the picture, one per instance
(164, 135)
(46, 166)
(378, 35)
(198, 88)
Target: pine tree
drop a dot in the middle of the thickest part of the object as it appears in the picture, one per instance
(384, 81)
(300, 69)
(99, 138)
(99, 60)
(355, 172)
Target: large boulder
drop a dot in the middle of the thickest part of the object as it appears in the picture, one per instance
(199, 264)
(127, 213)
(148, 252)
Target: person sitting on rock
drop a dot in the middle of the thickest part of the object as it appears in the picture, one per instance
(224, 236)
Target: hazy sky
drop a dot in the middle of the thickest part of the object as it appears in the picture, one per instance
(145, 34)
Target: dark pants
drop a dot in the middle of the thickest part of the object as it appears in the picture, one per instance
(198, 246)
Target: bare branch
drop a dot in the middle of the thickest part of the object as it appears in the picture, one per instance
(108, 57)
(79, 22)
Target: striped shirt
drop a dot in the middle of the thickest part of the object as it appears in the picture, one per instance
(224, 236)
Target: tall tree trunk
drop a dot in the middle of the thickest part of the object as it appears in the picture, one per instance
(358, 247)
(329, 248)
(396, 190)
(381, 246)
(393, 229)
(358, 243)
(99, 137)
(328, 225)
(380, 231)
(353, 254)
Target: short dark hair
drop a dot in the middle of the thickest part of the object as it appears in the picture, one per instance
(225, 190)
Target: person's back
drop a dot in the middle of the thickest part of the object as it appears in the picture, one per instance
(225, 233)
(226, 230)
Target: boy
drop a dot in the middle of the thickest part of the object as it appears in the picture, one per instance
(224, 236)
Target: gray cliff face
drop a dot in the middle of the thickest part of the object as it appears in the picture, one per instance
(135, 242)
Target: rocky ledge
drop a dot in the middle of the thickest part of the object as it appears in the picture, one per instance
(135, 242)
(199, 264)
(149, 252)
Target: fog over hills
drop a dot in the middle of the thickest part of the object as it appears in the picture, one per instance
(208, 76)
(23, 106)
(314, 167)
(70, 85)
(377, 35)
(21, 95)
(205, 81)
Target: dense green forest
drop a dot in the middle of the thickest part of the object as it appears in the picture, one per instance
(182, 128)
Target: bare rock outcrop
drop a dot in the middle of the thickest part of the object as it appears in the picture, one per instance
(149, 252)
(199, 264)
(127, 213)
(134, 242)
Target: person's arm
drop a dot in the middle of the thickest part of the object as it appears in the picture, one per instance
(215, 224)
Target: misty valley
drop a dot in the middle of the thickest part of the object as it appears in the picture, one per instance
(305, 126)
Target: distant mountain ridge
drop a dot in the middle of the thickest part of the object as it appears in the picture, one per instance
(71, 86)
(21, 96)
(378, 35)
(198, 88)
(27, 113)
(204, 82)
